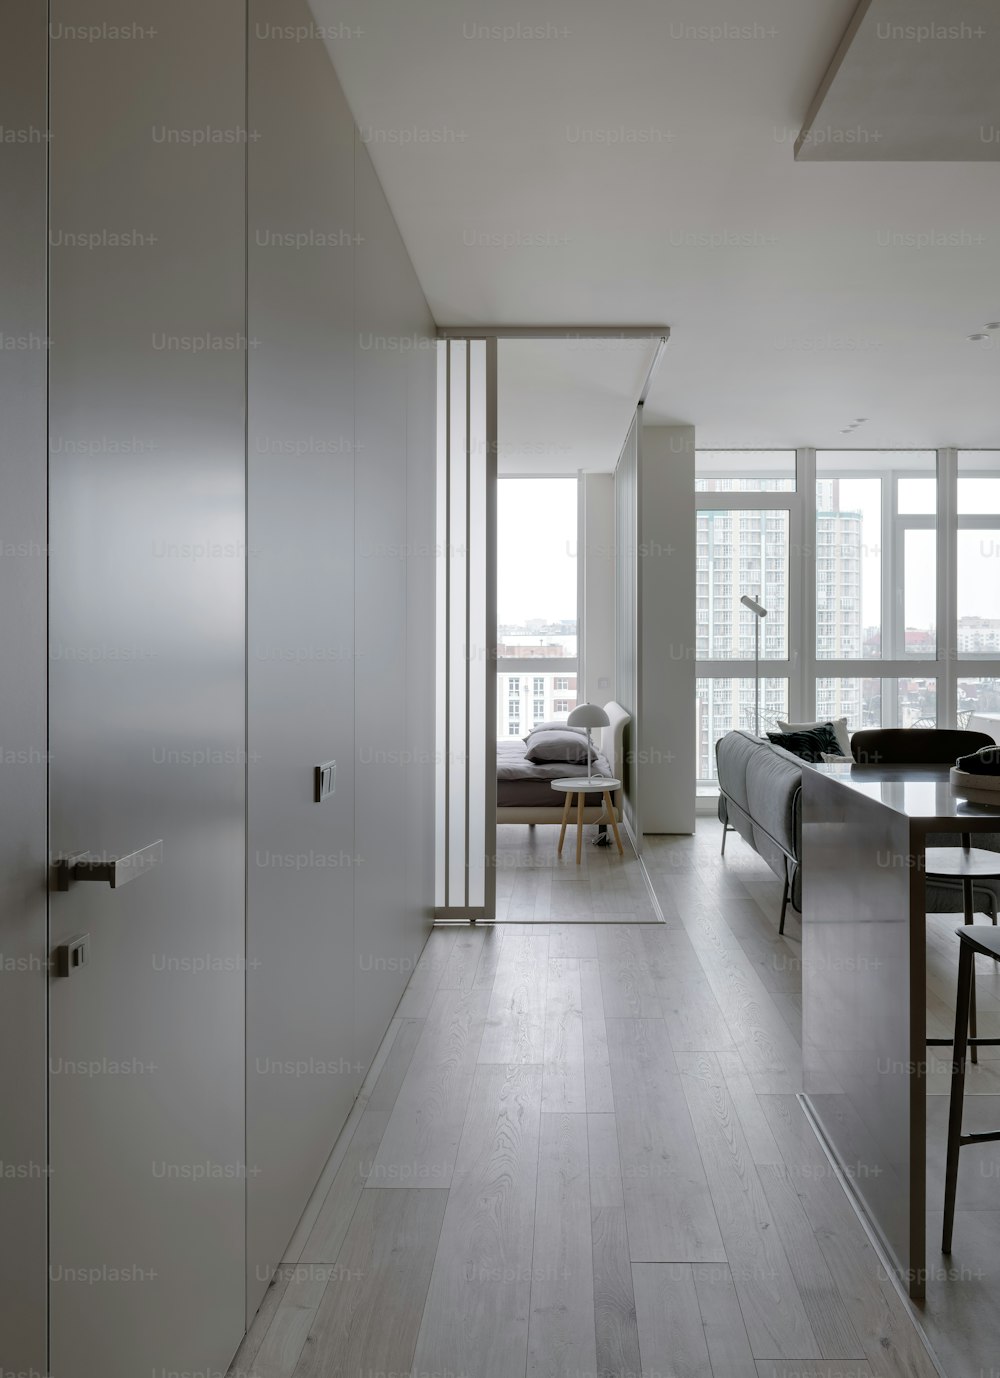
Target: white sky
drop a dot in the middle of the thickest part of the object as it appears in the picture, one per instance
(536, 549)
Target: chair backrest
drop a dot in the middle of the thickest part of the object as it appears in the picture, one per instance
(915, 746)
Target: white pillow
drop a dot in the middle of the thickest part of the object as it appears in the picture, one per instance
(839, 726)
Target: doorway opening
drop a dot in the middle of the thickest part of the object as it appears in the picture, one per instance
(531, 425)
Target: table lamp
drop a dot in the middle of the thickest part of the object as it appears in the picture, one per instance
(588, 715)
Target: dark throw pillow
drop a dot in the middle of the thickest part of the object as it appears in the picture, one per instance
(985, 761)
(561, 745)
(808, 744)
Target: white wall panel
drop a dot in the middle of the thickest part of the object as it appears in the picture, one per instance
(23, 666)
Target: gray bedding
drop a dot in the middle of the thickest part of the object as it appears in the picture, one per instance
(524, 784)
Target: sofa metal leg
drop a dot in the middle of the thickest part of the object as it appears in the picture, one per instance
(784, 905)
(725, 829)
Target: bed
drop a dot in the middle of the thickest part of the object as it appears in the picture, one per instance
(523, 791)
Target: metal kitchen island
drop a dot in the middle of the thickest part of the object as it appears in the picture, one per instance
(864, 835)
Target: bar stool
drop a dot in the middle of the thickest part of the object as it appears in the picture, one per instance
(967, 864)
(984, 941)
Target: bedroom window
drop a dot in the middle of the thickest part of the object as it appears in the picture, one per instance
(536, 598)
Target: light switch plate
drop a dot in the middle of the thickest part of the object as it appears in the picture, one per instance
(325, 780)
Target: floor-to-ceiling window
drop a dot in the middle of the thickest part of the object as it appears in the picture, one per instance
(977, 590)
(537, 647)
(749, 535)
(880, 572)
(876, 588)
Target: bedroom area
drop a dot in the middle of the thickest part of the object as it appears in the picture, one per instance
(563, 853)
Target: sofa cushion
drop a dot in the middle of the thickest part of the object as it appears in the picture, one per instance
(774, 783)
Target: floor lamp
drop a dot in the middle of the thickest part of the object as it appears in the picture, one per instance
(758, 614)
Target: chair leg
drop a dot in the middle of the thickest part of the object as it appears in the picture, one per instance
(725, 829)
(966, 970)
(784, 905)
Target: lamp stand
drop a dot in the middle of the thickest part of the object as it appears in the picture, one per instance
(756, 671)
(590, 758)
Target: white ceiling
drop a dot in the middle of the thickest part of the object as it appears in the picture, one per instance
(914, 79)
(799, 295)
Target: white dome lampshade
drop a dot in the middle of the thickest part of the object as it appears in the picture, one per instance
(588, 715)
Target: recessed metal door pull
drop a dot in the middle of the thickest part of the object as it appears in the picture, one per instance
(117, 871)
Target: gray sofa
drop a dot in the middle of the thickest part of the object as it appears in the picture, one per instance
(760, 797)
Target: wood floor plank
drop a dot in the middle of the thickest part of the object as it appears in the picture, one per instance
(242, 1365)
(617, 1335)
(667, 1201)
(773, 1310)
(475, 1320)
(763, 1147)
(813, 1368)
(597, 1067)
(287, 1335)
(420, 989)
(572, 940)
(327, 1235)
(671, 1338)
(390, 1078)
(463, 962)
(515, 1021)
(421, 1139)
(605, 1163)
(489, 957)
(563, 1075)
(692, 1014)
(368, 1319)
(770, 1053)
(725, 1332)
(590, 987)
(626, 981)
(822, 1301)
(561, 1339)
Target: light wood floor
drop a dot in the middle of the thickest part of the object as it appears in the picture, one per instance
(534, 885)
(580, 1154)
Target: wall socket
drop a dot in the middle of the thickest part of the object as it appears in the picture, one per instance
(325, 781)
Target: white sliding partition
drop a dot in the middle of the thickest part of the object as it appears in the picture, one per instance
(466, 625)
(627, 649)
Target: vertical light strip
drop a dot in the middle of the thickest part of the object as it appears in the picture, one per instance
(948, 667)
(465, 881)
(805, 625)
(469, 648)
(490, 629)
(626, 577)
(458, 704)
(441, 636)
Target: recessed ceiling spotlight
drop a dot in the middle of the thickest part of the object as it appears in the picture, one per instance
(980, 336)
(858, 420)
(992, 325)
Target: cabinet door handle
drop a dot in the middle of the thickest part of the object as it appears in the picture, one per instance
(116, 870)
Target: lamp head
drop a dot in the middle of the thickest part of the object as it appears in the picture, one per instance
(588, 715)
(753, 605)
